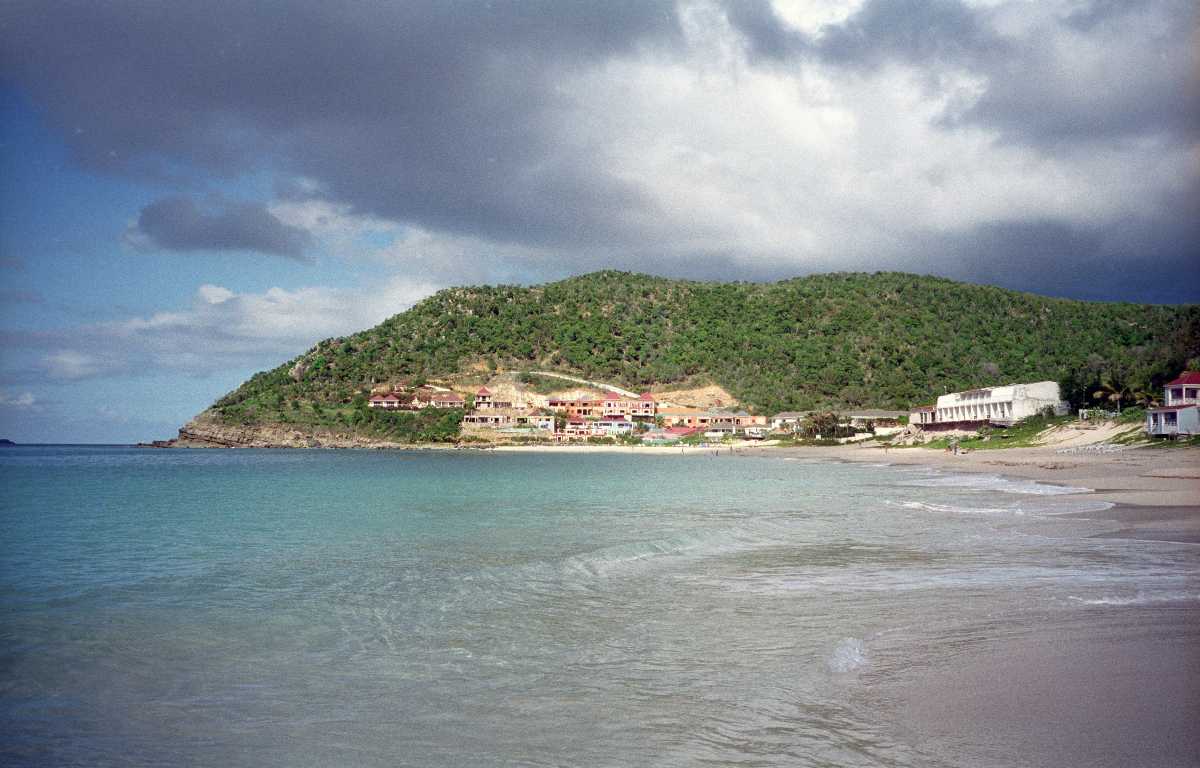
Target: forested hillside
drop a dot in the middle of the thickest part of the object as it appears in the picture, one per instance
(883, 340)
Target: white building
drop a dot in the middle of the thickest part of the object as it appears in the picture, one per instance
(1179, 415)
(1000, 405)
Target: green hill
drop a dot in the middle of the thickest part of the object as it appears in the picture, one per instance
(867, 340)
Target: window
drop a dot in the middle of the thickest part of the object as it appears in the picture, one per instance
(1171, 419)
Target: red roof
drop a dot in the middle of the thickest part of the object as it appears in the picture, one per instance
(646, 396)
(612, 396)
(1187, 377)
(682, 430)
(483, 391)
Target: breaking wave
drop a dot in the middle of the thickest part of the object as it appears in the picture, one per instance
(996, 483)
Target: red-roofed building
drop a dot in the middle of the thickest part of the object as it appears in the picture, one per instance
(446, 400)
(1180, 413)
(483, 398)
(608, 404)
(391, 401)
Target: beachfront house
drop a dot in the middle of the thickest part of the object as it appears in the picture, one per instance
(788, 421)
(612, 426)
(489, 417)
(878, 418)
(1003, 406)
(922, 415)
(1179, 415)
(668, 435)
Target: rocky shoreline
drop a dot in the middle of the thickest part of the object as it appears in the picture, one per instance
(206, 432)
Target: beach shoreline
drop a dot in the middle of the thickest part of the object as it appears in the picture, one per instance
(1154, 493)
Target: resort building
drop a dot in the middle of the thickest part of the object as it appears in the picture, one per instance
(1179, 415)
(609, 404)
(619, 405)
(997, 405)
(577, 407)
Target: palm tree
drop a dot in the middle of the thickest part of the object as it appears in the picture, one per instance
(1146, 399)
(1112, 391)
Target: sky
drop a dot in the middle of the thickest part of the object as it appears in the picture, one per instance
(192, 192)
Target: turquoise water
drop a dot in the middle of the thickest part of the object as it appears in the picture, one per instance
(308, 608)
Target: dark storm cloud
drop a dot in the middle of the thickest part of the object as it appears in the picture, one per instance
(429, 112)
(766, 35)
(881, 30)
(1138, 79)
(1153, 261)
(179, 224)
(926, 31)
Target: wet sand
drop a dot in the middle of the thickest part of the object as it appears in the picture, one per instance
(1117, 690)
(1120, 686)
(1155, 491)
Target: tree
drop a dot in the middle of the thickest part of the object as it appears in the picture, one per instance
(1113, 391)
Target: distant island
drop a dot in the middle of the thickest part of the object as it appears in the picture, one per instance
(833, 341)
(4, 442)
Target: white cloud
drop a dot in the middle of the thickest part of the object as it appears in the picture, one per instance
(224, 329)
(795, 165)
(23, 400)
(70, 364)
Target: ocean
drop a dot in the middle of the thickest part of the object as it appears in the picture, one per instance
(466, 608)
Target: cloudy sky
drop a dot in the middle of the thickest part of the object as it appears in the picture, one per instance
(190, 192)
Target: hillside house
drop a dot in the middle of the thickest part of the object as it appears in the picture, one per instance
(585, 406)
(642, 407)
(446, 400)
(389, 402)
(485, 399)
(1179, 415)
(608, 404)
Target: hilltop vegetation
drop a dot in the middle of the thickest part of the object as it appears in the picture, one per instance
(885, 340)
